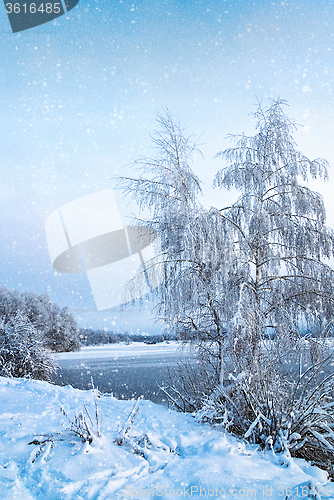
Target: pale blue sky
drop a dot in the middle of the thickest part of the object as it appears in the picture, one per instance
(79, 98)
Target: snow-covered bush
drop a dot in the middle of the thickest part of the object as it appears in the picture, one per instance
(57, 326)
(82, 424)
(290, 413)
(191, 383)
(61, 333)
(22, 353)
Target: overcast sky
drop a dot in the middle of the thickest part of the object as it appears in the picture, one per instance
(79, 98)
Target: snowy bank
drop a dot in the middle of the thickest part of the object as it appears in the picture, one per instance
(179, 459)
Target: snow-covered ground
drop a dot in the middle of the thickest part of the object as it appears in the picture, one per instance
(181, 459)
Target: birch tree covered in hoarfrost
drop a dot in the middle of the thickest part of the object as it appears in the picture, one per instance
(279, 228)
(200, 272)
(281, 386)
(236, 276)
(248, 284)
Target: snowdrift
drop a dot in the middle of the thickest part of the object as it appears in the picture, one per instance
(177, 457)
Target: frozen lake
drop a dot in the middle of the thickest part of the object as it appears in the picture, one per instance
(128, 371)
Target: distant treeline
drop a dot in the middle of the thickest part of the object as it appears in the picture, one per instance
(98, 337)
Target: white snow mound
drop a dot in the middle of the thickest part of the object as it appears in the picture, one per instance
(167, 454)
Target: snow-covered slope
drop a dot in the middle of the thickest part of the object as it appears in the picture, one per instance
(181, 459)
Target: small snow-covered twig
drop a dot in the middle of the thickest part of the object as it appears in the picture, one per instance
(255, 423)
(173, 400)
(47, 438)
(98, 414)
(122, 435)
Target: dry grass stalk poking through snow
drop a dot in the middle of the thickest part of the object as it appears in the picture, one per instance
(81, 426)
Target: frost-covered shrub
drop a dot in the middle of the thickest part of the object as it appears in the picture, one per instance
(192, 382)
(22, 353)
(288, 413)
(82, 424)
(61, 333)
(57, 326)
